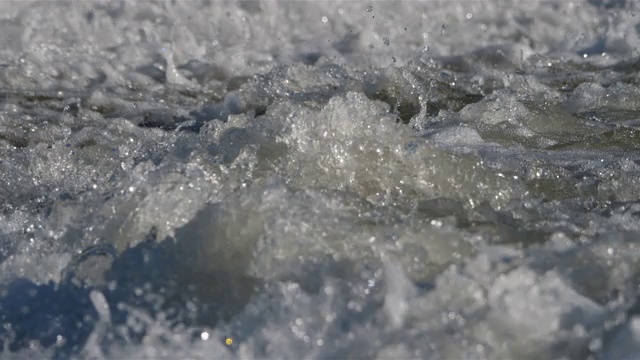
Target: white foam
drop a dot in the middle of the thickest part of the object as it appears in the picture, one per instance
(251, 162)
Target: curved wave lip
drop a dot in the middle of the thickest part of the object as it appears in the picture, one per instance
(350, 179)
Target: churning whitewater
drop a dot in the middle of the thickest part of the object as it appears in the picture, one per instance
(319, 179)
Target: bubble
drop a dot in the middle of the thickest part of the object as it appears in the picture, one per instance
(325, 19)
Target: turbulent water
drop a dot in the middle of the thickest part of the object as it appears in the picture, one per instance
(320, 179)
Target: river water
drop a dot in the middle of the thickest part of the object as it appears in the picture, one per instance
(319, 180)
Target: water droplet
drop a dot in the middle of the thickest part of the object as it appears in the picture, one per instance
(369, 8)
(469, 16)
(385, 40)
(325, 19)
